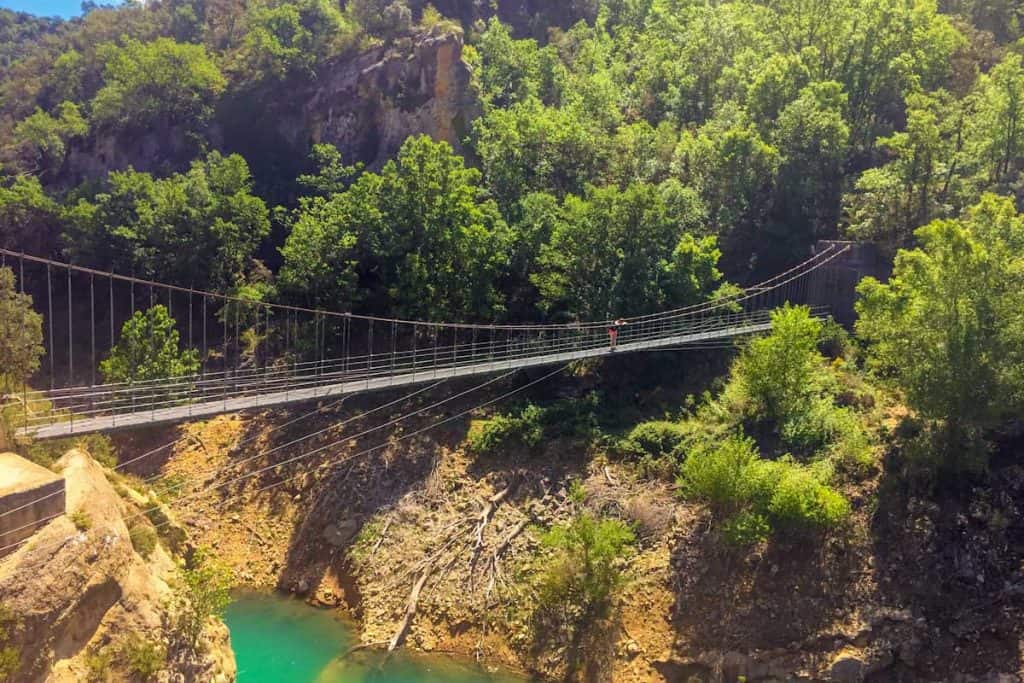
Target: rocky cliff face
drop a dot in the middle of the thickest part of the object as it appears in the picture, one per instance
(75, 594)
(365, 104)
(369, 105)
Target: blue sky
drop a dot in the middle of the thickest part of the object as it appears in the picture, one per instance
(46, 8)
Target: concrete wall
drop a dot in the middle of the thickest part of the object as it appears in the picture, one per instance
(23, 483)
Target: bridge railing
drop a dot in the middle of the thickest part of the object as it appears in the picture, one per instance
(482, 356)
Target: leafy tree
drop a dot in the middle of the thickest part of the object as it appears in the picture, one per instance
(199, 228)
(157, 84)
(332, 176)
(419, 237)
(641, 153)
(811, 137)
(732, 168)
(43, 138)
(290, 37)
(510, 69)
(204, 592)
(21, 333)
(384, 18)
(891, 201)
(575, 593)
(781, 373)
(996, 130)
(29, 219)
(947, 327)
(149, 349)
(533, 148)
(614, 251)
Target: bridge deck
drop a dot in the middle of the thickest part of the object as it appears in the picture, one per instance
(207, 409)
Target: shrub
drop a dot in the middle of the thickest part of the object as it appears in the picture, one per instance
(835, 342)
(781, 372)
(10, 657)
(99, 447)
(10, 660)
(746, 528)
(98, 665)
(584, 573)
(720, 475)
(658, 438)
(144, 658)
(204, 592)
(143, 539)
(532, 424)
(753, 497)
(800, 502)
(81, 520)
(824, 426)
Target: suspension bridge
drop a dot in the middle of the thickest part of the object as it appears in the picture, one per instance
(255, 355)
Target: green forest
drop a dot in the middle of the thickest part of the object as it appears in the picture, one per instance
(621, 157)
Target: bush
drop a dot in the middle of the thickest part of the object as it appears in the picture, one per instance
(720, 476)
(503, 431)
(204, 592)
(658, 438)
(800, 502)
(143, 539)
(81, 520)
(99, 447)
(745, 529)
(10, 657)
(836, 342)
(583, 572)
(532, 424)
(783, 371)
(98, 665)
(824, 426)
(144, 658)
(754, 497)
(574, 611)
(10, 660)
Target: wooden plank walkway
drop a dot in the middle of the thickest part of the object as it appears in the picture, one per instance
(206, 409)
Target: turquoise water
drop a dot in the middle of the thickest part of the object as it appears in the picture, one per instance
(282, 640)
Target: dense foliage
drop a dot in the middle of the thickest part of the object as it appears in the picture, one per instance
(948, 326)
(21, 334)
(618, 158)
(204, 592)
(148, 349)
(624, 156)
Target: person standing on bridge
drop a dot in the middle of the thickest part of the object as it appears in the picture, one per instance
(613, 333)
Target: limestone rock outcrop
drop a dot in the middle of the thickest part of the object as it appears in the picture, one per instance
(369, 105)
(73, 593)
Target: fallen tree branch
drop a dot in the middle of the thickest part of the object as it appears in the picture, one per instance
(485, 518)
(498, 552)
(380, 539)
(363, 646)
(410, 610)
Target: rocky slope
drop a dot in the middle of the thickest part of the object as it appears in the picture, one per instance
(77, 593)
